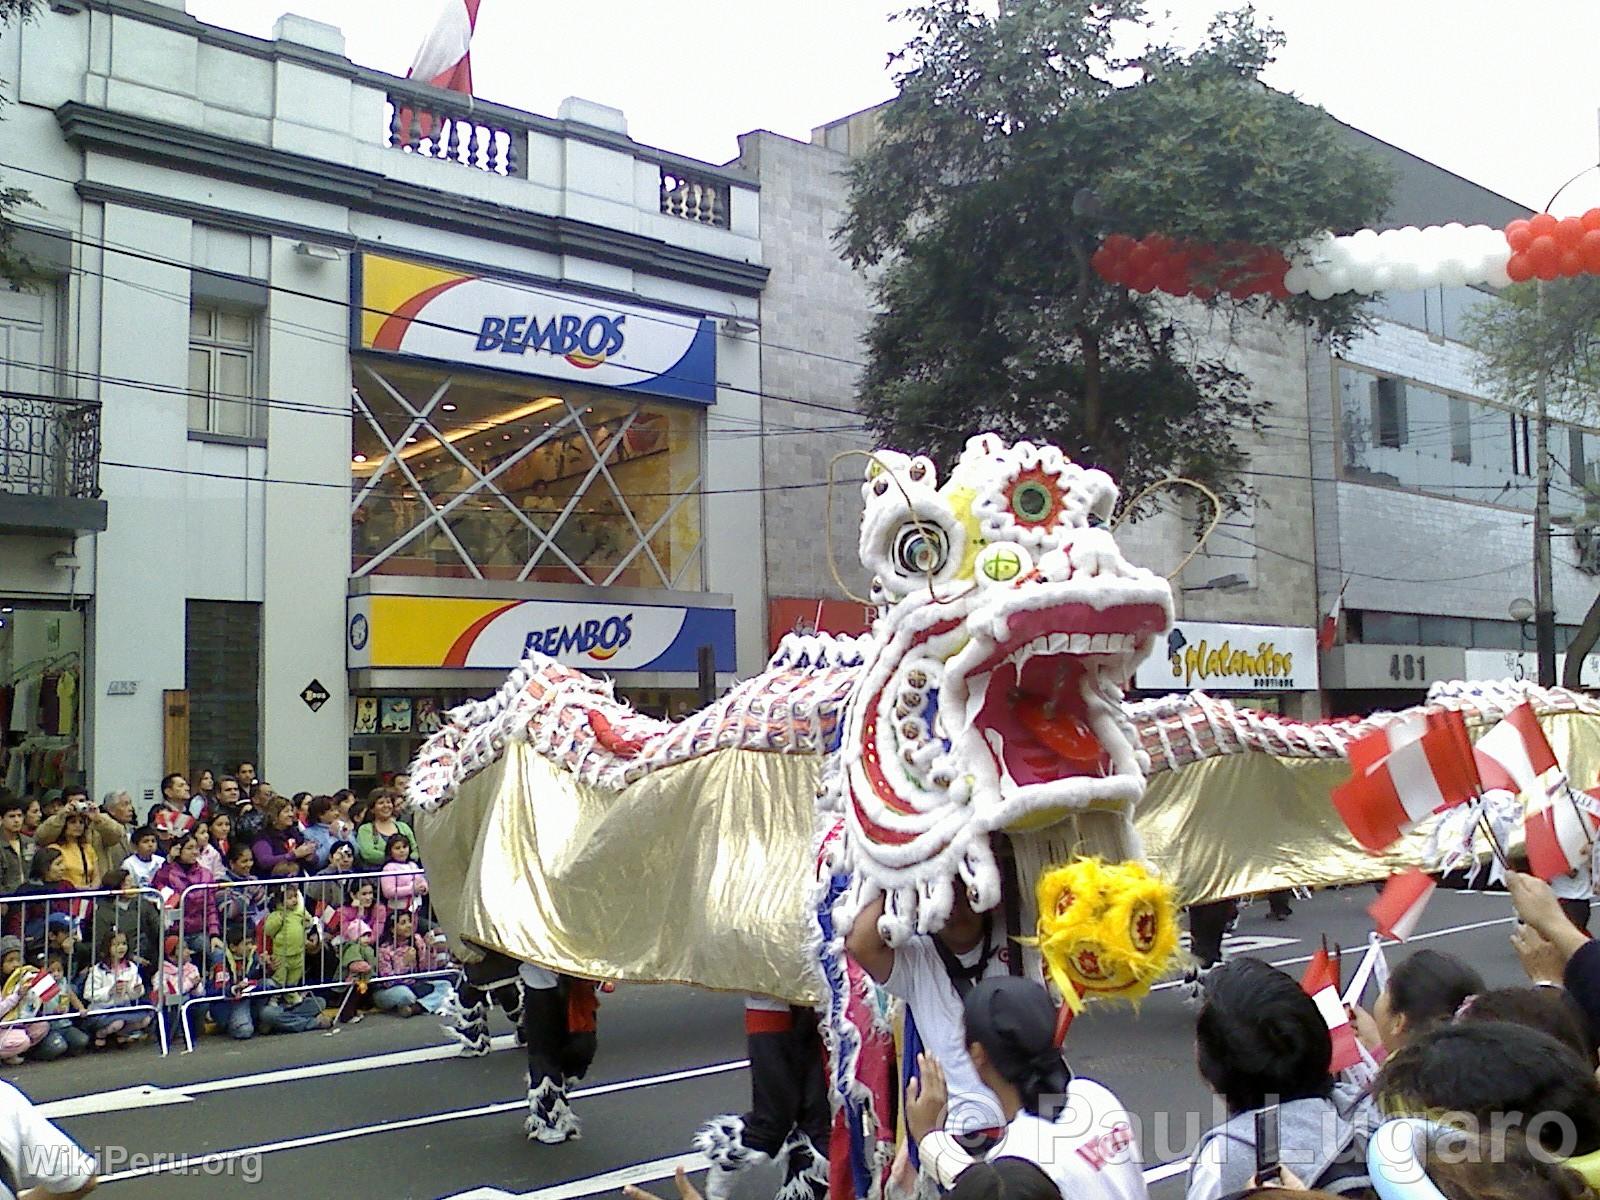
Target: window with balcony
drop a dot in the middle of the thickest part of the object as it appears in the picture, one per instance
(222, 373)
(480, 477)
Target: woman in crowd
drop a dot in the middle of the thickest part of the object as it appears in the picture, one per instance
(221, 826)
(30, 906)
(1261, 1040)
(202, 794)
(1548, 1009)
(198, 922)
(113, 982)
(1074, 1129)
(282, 849)
(245, 900)
(80, 858)
(33, 817)
(372, 838)
(401, 956)
(325, 895)
(1492, 1072)
(321, 828)
(344, 800)
(132, 915)
(1424, 990)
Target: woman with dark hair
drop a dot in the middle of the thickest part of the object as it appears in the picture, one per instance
(27, 910)
(1004, 1179)
(1424, 990)
(281, 849)
(1074, 1129)
(1493, 1071)
(321, 814)
(1548, 1009)
(1260, 1041)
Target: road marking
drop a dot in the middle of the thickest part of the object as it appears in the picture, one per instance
(1415, 937)
(609, 1181)
(151, 1095)
(200, 1162)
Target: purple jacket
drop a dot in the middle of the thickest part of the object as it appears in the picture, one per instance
(200, 907)
(271, 850)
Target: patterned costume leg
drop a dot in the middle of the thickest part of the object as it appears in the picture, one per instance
(465, 1013)
(556, 1053)
(789, 1115)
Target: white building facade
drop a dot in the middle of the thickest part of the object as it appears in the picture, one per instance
(337, 396)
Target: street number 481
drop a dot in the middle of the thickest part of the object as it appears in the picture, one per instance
(1408, 666)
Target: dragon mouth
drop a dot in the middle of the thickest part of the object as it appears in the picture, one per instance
(1046, 702)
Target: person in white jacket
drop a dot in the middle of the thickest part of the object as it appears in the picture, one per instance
(113, 984)
(1075, 1130)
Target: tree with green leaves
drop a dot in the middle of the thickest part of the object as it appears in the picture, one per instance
(1517, 339)
(1016, 144)
(13, 266)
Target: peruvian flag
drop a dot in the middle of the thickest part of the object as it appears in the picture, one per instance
(1330, 620)
(1513, 754)
(45, 988)
(1559, 836)
(1321, 983)
(444, 60)
(1404, 772)
(1397, 911)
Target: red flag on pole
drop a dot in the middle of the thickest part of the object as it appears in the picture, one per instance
(1404, 772)
(1329, 632)
(1397, 911)
(1559, 836)
(444, 60)
(1322, 985)
(1515, 753)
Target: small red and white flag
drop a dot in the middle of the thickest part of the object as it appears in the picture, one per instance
(1398, 909)
(1403, 773)
(1322, 985)
(44, 988)
(1513, 754)
(444, 60)
(1559, 836)
(1329, 633)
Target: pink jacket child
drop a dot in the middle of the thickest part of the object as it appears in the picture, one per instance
(374, 918)
(24, 995)
(403, 885)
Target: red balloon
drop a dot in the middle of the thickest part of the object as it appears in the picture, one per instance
(1545, 255)
(1589, 251)
(1542, 224)
(1518, 235)
(1590, 220)
(1140, 258)
(1571, 263)
(1160, 244)
(1103, 262)
(1204, 291)
(1519, 268)
(1569, 232)
(1119, 244)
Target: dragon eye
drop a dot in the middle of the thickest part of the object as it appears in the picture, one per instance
(1035, 498)
(920, 549)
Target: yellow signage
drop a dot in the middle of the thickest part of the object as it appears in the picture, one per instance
(1201, 663)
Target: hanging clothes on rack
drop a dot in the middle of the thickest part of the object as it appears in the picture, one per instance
(67, 701)
(25, 705)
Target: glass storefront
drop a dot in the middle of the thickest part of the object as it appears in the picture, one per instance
(41, 696)
(472, 475)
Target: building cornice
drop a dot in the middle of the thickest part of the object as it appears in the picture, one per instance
(369, 192)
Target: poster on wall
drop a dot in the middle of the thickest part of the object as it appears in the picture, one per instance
(366, 715)
(426, 711)
(396, 715)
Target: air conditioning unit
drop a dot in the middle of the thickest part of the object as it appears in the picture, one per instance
(363, 764)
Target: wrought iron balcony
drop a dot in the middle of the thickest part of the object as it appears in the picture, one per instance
(50, 465)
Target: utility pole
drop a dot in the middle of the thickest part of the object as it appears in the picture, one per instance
(1544, 602)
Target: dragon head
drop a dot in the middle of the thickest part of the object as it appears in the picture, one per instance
(991, 693)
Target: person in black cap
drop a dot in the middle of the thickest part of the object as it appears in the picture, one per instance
(1075, 1129)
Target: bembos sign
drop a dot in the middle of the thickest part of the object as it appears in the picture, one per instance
(451, 316)
(1205, 656)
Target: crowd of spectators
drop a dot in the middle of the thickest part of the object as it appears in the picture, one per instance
(237, 909)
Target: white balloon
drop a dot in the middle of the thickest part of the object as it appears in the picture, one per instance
(1382, 277)
(1496, 276)
(1340, 278)
(1407, 277)
(1453, 272)
(1320, 288)
(1296, 278)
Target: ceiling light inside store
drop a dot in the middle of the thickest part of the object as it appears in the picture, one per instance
(472, 429)
(447, 407)
(358, 458)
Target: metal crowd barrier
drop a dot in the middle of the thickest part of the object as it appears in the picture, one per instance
(79, 909)
(452, 973)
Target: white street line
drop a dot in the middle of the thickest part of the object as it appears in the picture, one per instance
(1166, 1170)
(200, 1162)
(1415, 937)
(150, 1095)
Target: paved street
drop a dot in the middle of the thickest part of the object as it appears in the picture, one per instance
(382, 1105)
